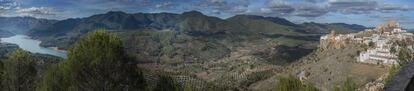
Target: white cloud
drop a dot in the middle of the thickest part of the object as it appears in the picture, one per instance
(32, 11)
(164, 5)
(317, 8)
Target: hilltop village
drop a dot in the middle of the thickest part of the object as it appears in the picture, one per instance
(382, 44)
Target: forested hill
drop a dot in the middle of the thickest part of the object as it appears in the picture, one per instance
(66, 32)
(21, 25)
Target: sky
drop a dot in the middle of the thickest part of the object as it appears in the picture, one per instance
(364, 12)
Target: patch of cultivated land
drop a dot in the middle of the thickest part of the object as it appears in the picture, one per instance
(241, 69)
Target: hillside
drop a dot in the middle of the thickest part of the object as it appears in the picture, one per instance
(4, 33)
(21, 25)
(233, 52)
(64, 33)
(312, 27)
(265, 25)
(367, 58)
(178, 35)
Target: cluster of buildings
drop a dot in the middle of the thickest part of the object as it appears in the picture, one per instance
(381, 43)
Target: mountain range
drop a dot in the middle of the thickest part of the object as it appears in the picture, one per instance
(192, 23)
(236, 52)
(21, 25)
(170, 34)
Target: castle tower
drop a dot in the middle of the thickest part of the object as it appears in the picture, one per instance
(333, 33)
(392, 24)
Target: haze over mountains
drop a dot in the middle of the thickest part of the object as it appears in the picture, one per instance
(10, 26)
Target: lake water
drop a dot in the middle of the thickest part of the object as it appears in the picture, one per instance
(33, 46)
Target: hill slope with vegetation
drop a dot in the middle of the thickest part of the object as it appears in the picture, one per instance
(21, 25)
(232, 53)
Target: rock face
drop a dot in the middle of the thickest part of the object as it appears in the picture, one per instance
(331, 41)
(376, 85)
(387, 27)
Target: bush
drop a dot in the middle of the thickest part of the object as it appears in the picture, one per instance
(393, 50)
(371, 44)
(291, 83)
(403, 56)
(348, 85)
(166, 83)
(391, 73)
(187, 86)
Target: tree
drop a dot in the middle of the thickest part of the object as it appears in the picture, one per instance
(371, 44)
(1, 74)
(165, 83)
(393, 50)
(19, 72)
(97, 62)
(187, 86)
(55, 79)
(403, 56)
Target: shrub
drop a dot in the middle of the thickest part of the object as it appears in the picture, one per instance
(291, 83)
(348, 85)
(403, 56)
(391, 73)
(166, 83)
(187, 86)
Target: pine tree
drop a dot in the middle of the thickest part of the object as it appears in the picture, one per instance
(96, 63)
(19, 72)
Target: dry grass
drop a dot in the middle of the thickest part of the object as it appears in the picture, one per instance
(368, 70)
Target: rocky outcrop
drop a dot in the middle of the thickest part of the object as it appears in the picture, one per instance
(387, 27)
(376, 85)
(331, 41)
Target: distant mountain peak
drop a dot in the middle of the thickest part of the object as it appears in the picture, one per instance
(276, 20)
(250, 16)
(193, 13)
(116, 12)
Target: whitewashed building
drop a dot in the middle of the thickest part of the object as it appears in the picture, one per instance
(378, 56)
(380, 52)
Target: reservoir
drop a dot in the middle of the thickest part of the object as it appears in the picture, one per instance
(25, 43)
